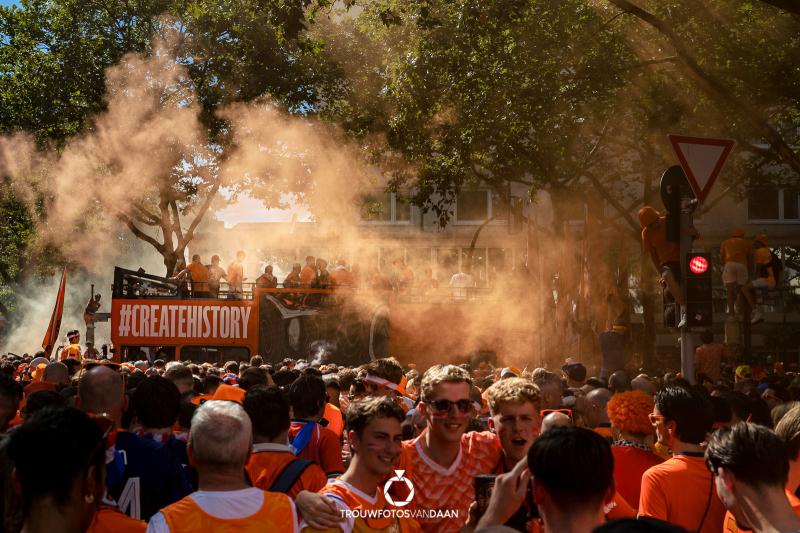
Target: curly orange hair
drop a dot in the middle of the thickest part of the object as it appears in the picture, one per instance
(628, 411)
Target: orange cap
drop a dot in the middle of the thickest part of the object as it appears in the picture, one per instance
(229, 393)
(38, 374)
(738, 232)
(197, 400)
(762, 239)
(647, 215)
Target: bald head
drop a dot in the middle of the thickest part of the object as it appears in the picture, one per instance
(595, 412)
(619, 382)
(554, 420)
(56, 373)
(644, 385)
(101, 391)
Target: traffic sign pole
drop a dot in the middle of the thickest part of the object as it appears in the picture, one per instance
(688, 201)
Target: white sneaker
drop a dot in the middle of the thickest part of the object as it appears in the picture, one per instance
(756, 318)
(731, 319)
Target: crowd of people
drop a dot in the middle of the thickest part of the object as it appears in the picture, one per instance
(247, 446)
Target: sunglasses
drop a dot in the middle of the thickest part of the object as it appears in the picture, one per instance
(108, 425)
(655, 419)
(443, 406)
(352, 397)
(544, 412)
(765, 396)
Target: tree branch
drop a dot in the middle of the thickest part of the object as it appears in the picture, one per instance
(715, 88)
(200, 214)
(670, 59)
(139, 233)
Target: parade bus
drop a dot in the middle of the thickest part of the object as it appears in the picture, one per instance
(157, 318)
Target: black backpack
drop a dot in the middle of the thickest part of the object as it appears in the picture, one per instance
(777, 268)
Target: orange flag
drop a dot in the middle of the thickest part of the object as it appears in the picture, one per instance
(51, 337)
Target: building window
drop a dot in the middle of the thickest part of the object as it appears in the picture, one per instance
(476, 206)
(777, 205)
(384, 207)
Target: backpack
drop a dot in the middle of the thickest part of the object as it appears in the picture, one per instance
(777, 268)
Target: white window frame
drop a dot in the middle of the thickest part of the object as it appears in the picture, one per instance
(490, 214)
(780, 219)
(393, 221)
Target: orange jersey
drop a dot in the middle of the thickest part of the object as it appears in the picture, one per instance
(656, 241)
(335, 419)
(307, 274)
(276, 514)
(269, 460)
(340, 276)
(678, 491)
(200, 275)
(406, 276)
(323, 448)
(349, 498)
(453, 488)
(733, 527)
(111, 520)
(235, 272)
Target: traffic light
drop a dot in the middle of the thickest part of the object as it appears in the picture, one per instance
(699, 304)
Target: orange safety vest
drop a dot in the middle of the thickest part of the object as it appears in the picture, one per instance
(275, 515)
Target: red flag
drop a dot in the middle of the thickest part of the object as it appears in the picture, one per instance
(51, 337)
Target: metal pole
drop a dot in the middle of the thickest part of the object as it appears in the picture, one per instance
(687, 241)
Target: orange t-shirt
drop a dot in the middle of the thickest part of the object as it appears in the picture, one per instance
(736, 250)
(407, 275)
(763, 257)
(200, 275)
(323, 448)
(350, 498)
(307, 274)
(340, 276)
(111, 520)
(656, 240)
(733, 527)
(678, 491)
(269, 460)
(453, 488)
(235, 272)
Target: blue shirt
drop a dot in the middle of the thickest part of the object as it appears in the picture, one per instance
(153, 477)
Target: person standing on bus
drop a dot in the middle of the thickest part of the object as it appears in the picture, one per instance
(293, 279)
(215, 274)
(200, 275)
(309, 271)
(236, 276)
(340, 275)
(267, 280)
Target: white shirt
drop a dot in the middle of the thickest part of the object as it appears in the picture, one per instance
(228, 505)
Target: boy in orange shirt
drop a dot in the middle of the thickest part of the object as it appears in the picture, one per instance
(680, 491)
(666, 256)
(375, 437)
(269, 467)
(764, 277)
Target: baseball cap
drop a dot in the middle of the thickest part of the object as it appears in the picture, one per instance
(510, 370)
(575, 370)
(759, 373)
(39, 361)
(230, 379)
(738, 232)
(231, 394)
(647, 215)
(762, 239)
(744, 372)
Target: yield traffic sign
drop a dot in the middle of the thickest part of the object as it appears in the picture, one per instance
(701, 159)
